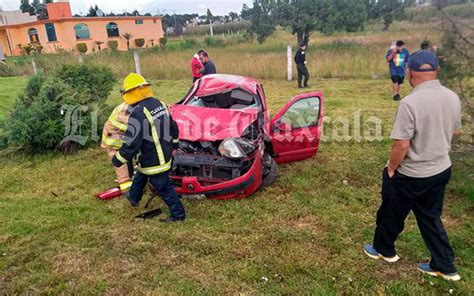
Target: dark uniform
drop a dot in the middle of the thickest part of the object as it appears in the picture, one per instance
(154, 134)
(300, 60)
(209, 68)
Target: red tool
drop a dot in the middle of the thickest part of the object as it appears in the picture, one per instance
(109, 194)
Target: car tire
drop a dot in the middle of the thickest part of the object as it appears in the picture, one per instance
(272, 174)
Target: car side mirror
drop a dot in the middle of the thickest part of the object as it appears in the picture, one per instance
(283, 126)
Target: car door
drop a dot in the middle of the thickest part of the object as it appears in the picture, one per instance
(296, 130)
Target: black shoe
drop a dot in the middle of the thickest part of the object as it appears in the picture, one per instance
(397, 98)
(133, 203)
(306, 86)
(171, 220)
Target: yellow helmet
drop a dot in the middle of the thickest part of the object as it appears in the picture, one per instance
(133, 81)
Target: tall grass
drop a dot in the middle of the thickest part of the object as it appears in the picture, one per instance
(357, 55)
(232, 28)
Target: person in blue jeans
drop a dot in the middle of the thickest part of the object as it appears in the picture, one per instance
(397, 57)
(152, 134)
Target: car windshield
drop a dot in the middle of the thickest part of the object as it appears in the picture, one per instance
(235, 99)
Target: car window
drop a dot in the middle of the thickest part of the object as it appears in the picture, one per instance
(235, 99)
(303, 113)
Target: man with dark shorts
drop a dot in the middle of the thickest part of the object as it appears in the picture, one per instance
(396, 58)
(419, 168)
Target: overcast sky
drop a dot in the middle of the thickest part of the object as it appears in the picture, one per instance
(156, 7)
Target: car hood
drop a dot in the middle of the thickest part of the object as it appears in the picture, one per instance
(211, 124)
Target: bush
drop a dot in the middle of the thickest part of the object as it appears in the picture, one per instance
(112, 44)
(41, 117)
(163, 41)
(214, 42)
(140, 42)
(82, 48)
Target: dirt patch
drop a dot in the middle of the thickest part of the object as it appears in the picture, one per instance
(450, 223)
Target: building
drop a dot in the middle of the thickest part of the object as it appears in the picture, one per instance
(62, 32)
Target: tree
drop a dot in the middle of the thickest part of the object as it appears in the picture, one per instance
(209, 16)
(140, 42)
(40, 10)
(387, 10)
(263, 18)
(136, 13)
(302, 17)
(457, 64)
(26, 7)
(233, 16)
(93, 11)
(99, 44)
(128, 37)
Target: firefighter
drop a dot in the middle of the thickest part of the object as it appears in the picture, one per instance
(112, 140)
(154, 134)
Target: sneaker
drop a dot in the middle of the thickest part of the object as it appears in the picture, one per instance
(370, 251)
(133, 203)
(425, 268)
(171, 220)
(397, 98)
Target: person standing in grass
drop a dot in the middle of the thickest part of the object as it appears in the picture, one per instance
(113, 138)
(208, 65)
(153, 135)
(196, 68)
(396, 57)
(419, 168)
(300, 60)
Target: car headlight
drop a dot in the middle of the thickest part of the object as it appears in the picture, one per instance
(229, 148)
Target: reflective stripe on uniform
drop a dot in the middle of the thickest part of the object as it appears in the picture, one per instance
(120, 157)
(155, 137)
(116, 123)
(156, 169)
(116, 143)
(125, 185)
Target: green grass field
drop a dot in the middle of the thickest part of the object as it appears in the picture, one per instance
(303, 235)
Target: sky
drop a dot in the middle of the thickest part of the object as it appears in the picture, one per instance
(218, 7)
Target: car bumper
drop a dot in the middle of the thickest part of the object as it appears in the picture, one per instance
(240, 187)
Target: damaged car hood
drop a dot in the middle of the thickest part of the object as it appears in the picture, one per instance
(211, 124)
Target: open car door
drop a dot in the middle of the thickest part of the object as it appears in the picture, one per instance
(296, 130)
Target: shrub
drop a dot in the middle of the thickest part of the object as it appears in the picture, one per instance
(214, 42)
(163, 41)
(39, 119)
(82, 48)
(95, 81)
(26, 49)
(139, 42)
(113, 45)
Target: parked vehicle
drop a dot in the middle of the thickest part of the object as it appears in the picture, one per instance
(229, 147)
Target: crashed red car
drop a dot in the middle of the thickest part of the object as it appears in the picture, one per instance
(229, 147)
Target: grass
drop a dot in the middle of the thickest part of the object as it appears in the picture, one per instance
(303, 235)
(355, 55)
(11, 88)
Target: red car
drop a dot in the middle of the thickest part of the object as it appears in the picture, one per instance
(229, 147)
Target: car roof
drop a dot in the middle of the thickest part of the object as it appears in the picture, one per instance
(221, 83)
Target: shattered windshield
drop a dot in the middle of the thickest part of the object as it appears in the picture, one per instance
(235, 99)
